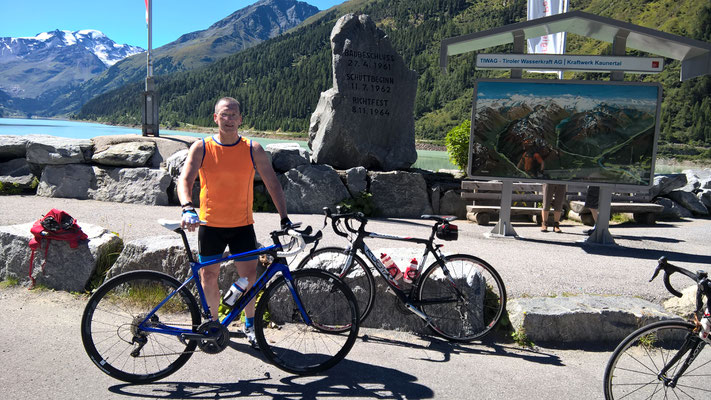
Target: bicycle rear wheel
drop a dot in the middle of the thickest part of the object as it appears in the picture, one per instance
(359, 278)
(112, 338)
(634, 369)
(464, 299)
(292, 345)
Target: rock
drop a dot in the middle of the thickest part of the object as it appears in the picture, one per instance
(689, 201)
(69, 181)
(366, 119)
(580, 319)
(167, 254)
(663, 184)
(66, 268)
(356, 180)
(310, 188)
(399, 194)
(16, 172)
(131, 185)
(452, 203)
(692, 181)
(174, 165)
(130, 154)
(286, 156)
(705, 197)
(125, 185)
(682, 306)
(12, 146)
(53, 150)
(165, 146)
(672, 209)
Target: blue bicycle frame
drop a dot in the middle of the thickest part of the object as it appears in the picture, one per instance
(277, 266)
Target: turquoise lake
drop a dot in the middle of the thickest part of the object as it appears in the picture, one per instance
(426, 159)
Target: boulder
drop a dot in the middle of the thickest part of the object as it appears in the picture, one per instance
(174, 165)
(165, 146)
(309, 188)
(689, 201)
(683, 306)
(12, 146)
(452, 203)
(286, 156)
(65, 268)
(16, 172)
(166, 254)
(672, 209)
(366, 118)
(663, 184)
(582, 319)
(129, 154)
(69, 181)
(705, 197)
(399, 194)
(52, 150)
(124, 185)
(357, 180)
(131, 185)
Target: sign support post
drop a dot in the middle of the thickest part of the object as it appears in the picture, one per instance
(149, 113)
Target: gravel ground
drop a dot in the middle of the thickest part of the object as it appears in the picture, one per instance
(535, 264)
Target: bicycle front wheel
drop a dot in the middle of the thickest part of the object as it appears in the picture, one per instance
(358, 276)
(635, 367)
(464, 298)
(292, 345)
(110, 326)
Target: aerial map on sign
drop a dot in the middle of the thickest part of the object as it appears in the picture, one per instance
(572, 131)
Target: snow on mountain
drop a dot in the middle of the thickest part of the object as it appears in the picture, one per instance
(93, 41)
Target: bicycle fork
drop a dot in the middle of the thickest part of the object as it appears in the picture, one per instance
(693, 345)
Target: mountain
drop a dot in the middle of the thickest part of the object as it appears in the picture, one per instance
(35, 65)
(279, 80)
(240, 30)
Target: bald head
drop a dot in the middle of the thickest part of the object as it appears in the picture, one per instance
(229, 102)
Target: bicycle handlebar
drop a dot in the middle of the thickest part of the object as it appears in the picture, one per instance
(335, 219)
(670, 269)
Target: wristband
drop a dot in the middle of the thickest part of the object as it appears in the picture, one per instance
(189, 210)
(188, 204)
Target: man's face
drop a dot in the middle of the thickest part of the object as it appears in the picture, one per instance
(228, 117)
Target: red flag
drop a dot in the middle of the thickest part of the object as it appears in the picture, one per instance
(146, 10)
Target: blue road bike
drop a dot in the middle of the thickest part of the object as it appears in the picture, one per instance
(142, 326)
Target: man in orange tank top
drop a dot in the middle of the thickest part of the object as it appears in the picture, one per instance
(226, 164)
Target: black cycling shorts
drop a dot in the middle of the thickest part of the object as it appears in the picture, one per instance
(213, 241)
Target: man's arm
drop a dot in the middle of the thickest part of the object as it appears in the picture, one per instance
(266, 172)
(190, 172)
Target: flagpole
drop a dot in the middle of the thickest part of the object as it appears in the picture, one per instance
(149, 114)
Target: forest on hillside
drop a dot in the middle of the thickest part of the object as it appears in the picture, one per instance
(279, 81)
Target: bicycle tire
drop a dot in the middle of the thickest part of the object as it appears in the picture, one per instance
(358, 277)
(110, 319)
(284, 338)
(633, 369)
(465, 300)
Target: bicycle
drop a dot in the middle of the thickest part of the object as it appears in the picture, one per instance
(142, 326)
(665, 359)
(460, 297)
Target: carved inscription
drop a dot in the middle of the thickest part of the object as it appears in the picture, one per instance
(369, 82)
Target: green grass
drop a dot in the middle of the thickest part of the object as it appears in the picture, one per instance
(520, 338)
(106, 260)
(9, 281)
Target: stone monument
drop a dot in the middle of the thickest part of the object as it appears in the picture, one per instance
(366, 119)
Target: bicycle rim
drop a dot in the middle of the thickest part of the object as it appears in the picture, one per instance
(465, 300)
(359, 278)
(292, 345)
(110, 330)
(633, 371)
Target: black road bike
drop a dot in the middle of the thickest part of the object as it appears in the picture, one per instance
(667, 359)
(460, 297)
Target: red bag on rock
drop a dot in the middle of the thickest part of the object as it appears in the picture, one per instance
(55, 225)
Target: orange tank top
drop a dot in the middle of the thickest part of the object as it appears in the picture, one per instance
(227, 183)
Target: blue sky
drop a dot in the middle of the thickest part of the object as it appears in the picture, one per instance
(123, 20)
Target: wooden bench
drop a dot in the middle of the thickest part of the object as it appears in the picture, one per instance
(643, 213)
(526, 197)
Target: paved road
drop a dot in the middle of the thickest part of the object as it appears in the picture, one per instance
(43, 358)
(42, 354)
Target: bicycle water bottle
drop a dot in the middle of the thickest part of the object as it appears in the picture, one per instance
(393, 269)
(411, 272)
(235, 292)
